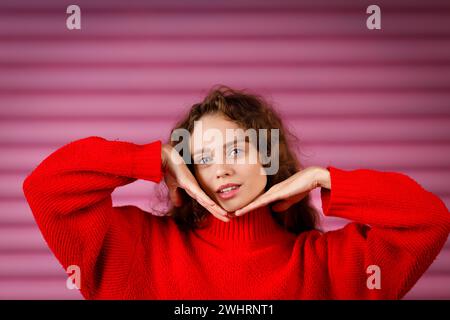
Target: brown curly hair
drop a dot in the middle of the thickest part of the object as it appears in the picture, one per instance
(248, 111)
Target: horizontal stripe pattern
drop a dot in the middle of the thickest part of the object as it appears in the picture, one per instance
(355, 98)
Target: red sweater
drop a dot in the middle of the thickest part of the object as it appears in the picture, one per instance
(127, 253)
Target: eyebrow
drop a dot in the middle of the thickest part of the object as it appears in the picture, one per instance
(224, 145)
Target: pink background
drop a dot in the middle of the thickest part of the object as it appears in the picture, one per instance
(356, 98)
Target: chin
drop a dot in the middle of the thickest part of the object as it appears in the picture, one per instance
(231, 206)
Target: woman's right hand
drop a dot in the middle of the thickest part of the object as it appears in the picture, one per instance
(177, 175)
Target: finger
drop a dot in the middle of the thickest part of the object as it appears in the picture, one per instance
(213, 208)
(190, 185)
(261, 201)
(198, 194)
(220, 217)
(287, 203)
(251, 206)
(200, 198)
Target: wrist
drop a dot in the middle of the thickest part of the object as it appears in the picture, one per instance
(323, 178)
(165, 152)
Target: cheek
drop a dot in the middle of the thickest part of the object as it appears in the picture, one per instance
(254, 177)
(261, 179)
(203, 179)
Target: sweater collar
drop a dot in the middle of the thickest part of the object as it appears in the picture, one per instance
(255, 225)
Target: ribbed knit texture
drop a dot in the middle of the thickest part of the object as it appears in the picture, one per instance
(127, 253)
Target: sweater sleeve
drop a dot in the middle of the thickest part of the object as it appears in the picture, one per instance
(397, 230)
(69, 194)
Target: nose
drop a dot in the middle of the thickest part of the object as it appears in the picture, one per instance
(224, 170)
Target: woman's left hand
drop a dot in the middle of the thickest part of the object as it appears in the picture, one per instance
(291, 190)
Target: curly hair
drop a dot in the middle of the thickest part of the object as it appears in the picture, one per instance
(249, 111)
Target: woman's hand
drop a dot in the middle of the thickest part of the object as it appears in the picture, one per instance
(291, 190)
(177, 175)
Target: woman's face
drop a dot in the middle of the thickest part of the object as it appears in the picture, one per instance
(227, 167)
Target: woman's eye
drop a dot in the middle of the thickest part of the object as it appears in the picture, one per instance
(236, 151)
(205, 160)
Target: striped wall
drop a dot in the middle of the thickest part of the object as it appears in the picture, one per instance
(356, 98)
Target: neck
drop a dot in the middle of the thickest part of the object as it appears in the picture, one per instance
(253, 226)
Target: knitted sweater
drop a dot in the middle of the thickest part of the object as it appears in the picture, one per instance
(396, 231)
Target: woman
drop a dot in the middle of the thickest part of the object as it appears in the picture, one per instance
(234, 231)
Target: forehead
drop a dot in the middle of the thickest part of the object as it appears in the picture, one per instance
(212, 130)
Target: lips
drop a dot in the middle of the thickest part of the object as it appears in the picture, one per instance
(228, 191)
(227, 187)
